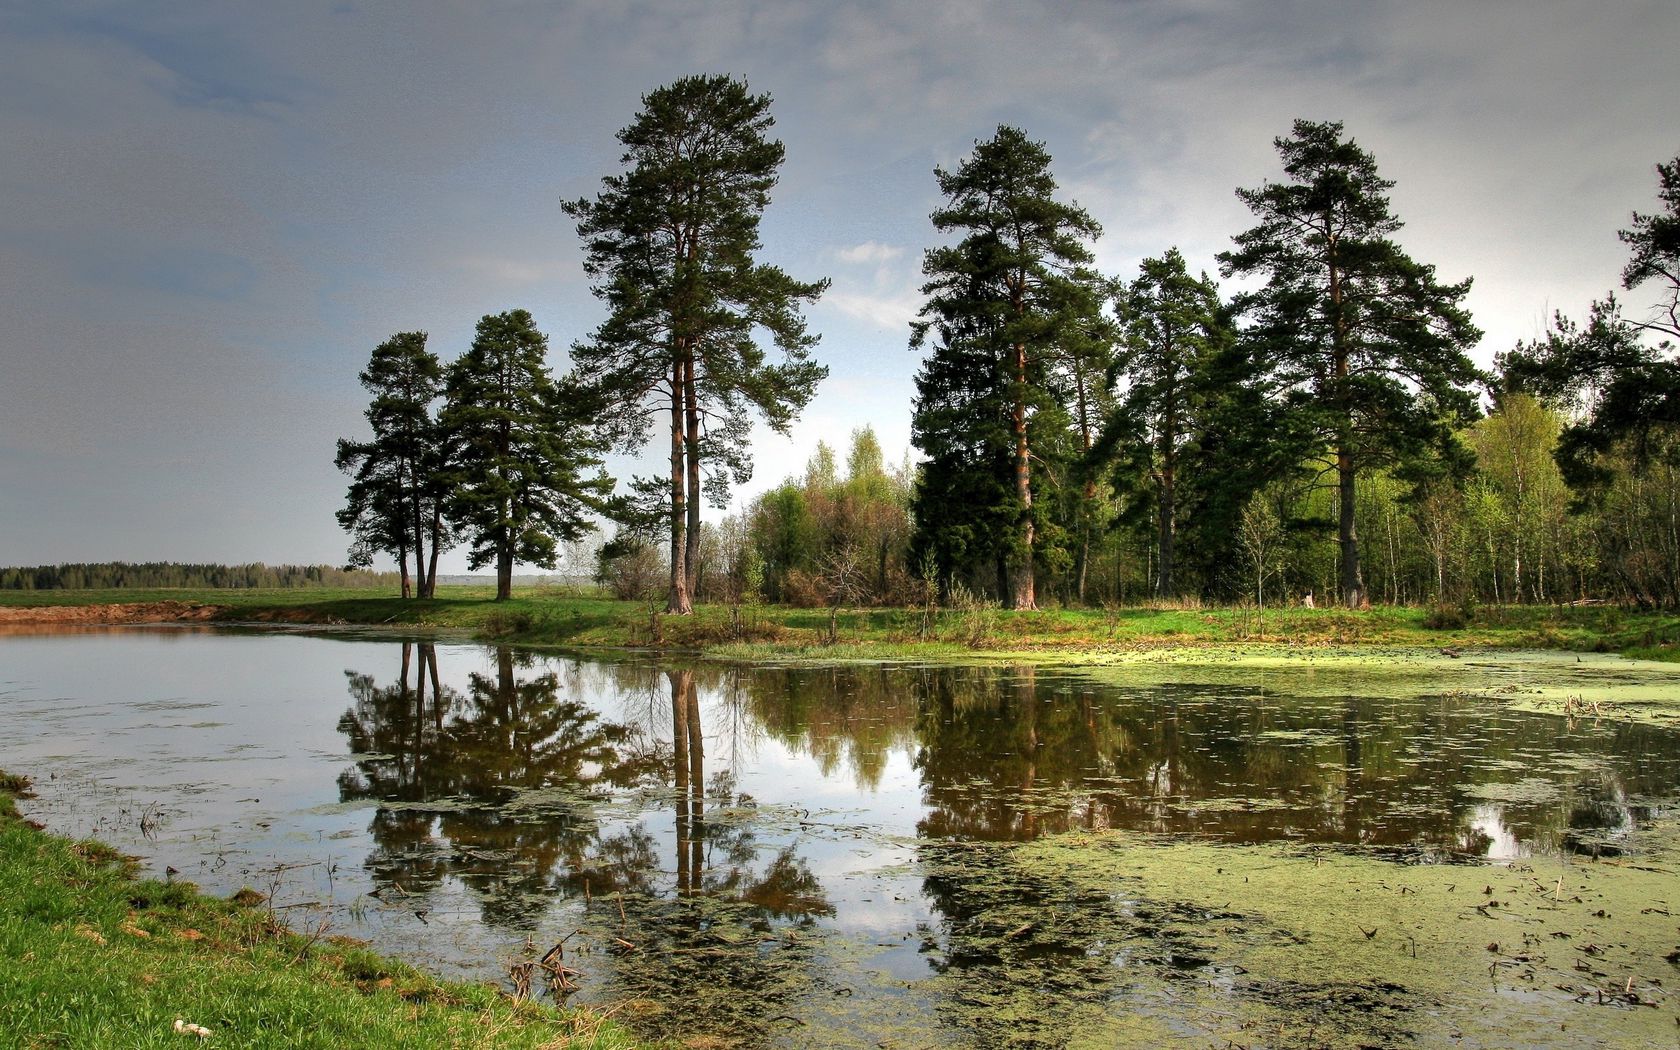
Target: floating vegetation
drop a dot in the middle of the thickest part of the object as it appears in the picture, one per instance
(1529, 790)
(1339, 949)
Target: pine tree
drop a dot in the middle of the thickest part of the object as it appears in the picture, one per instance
(1000, 303)
(395, 501)
(671, 244)
(1174, 327)
(521, 448)
(1367, 348)
(1624, 390)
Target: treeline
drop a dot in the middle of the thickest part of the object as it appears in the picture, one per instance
(1322, 432)
(1322, 435)
(1511, 531)
(1084, 437)
(117, 574)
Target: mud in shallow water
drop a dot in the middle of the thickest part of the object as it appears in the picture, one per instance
(909, 856)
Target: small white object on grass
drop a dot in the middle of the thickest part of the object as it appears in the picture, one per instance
(188, 1028)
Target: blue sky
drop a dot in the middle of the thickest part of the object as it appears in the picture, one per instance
(211, 212)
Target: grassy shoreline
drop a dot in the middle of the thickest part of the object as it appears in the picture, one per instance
(549, 617)
(129, 956)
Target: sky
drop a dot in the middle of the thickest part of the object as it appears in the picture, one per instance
(210, 213)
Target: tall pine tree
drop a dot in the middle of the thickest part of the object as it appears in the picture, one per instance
(671, 245)
(395, 502)
(1365, 346)
(1001, 303)
(522, 450)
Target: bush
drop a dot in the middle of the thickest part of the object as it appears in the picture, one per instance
(631, 568)
(1449, 617)
(803, 589)
(976, 616)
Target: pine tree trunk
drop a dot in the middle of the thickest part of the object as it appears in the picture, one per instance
(419, 540)
(504, 567)
(1021, 594)
(1353, 584)
(402, 567)
(1164, 586)
(1082, 558)
(1087, 494)
(1169, 482)
(430, 590)
(691, 409)
(678, 601)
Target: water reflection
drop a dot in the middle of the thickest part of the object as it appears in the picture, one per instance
(500, 786)
(709, 888)
(1009, 757)
(446, 763)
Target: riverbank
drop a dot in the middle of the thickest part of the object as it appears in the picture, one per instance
(555, 617)
(91, 956)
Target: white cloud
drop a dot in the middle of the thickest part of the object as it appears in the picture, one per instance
(870, 252)
(892, 311)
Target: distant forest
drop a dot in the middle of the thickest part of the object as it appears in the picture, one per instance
(109, 574)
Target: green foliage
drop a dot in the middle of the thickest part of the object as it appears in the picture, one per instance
(1620, 454)
(521, 447)
(1175, 327)
(1625, 392)
(1365, 348)
(671, 245)
(398, 483)
(806, 536)
(628, 565)
(1003, 304)
(1655, 242)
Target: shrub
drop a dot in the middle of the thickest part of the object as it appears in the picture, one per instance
(1448, 618)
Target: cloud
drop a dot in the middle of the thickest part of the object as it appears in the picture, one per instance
(891, 311)
(212, 213)
(870, 252)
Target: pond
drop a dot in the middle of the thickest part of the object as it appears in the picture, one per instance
(891, 856)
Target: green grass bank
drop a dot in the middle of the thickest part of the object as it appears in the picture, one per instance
(555, 617)
(92, 957)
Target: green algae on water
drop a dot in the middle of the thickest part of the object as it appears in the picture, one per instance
(1289, 946)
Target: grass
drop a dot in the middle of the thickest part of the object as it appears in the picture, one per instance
(549, 616)
(91, 956)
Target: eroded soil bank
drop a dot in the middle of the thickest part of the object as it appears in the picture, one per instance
(107, 614)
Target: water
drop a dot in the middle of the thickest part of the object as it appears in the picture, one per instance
(775, 856)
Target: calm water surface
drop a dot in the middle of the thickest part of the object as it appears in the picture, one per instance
(760, 853)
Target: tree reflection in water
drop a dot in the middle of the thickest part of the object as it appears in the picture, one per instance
(695, 899)
(727, 951)
(497, 787)
(446, 770)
